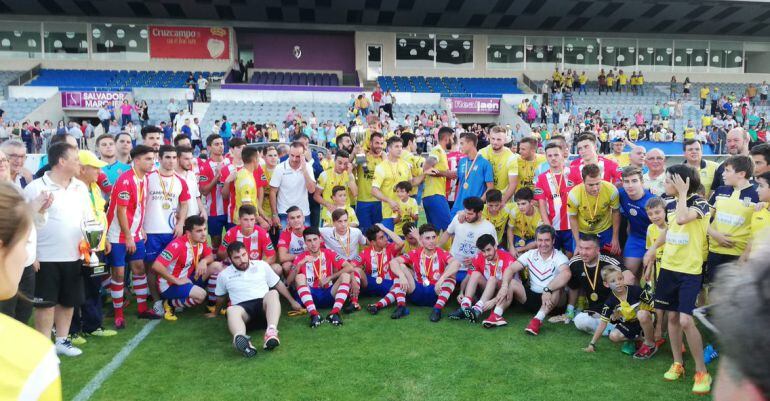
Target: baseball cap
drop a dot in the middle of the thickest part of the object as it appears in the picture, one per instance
(88, 158)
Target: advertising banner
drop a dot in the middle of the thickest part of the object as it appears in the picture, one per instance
(92, 100)
(181, 42)
(475, 105)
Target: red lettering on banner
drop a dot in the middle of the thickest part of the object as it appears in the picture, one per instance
(189, 43)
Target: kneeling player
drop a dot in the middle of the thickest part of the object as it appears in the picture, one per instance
(489, 266)
(253, 288)
(430, 281)
(323, 279)
(185, 267)
(376, 277)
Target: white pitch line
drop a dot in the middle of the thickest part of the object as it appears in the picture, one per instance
(115, 363)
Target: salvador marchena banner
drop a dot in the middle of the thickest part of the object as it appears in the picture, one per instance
(181, 42)
(92, 100)
(462, 105)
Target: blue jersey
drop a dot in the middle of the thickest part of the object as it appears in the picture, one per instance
(635, 213)
(476, 183)
(114, 170)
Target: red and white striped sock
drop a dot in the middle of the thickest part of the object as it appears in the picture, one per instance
(446, 290)
(106, 282)
(212, 285)
(116, 292)
(307, 299)
(340, 297)
(142, 291)
(388, 299)
(466, 302)
(357, 278)
(479, 306)
(184, 303)
(400, 295)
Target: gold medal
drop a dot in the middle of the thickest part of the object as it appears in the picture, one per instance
(378, 280)
(465, 186)
(594, 296)
(521, 242)
(166, 206)
(426, 282)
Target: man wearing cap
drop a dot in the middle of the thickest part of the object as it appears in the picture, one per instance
(87, 318)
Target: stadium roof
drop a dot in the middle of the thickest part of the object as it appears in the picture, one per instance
(671, 17)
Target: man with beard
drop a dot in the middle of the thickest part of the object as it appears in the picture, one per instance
(505, 167)
(436, 169)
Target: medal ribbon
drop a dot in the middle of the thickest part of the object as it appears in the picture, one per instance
(596, 203)
(166, 193)
(139, 188)
(468, 172)
(347, 248)
(380, 262)
(494, 265)
(427, 267)
(196, 253)
(318, 269)
(588, 276)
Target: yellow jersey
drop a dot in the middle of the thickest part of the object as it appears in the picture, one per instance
(633, 134)
(327, 164)
(436, 185)
(500, 220)
(653, 233)
(527, 170)
(704, 92)
(266, 209)
(503, 164)
(97, 205)
(594, 213)
(523, 225)
(622, 79)
(640, 80)
(330, 179)
(705, 121)
(583, 79)
(707, 170)
(245, 190)
(415, 164)
(733, 210)
(689, 133)
(364, 178)
(610, 81)
(408, 210)
(326, 217)
(683, 251)
(386, 176)
(28, 362)
(622, 159)
(274, 135)
(760, 223)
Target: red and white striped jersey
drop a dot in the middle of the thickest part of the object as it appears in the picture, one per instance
(294, 243)
(485, 267)
(258, 244)
(259, 177)
(453, 159)
(377, 264)
(610, 171)
(317, 268)
(129, 191)
(554, 189)
(213, 201)
(427, 269)
(180, 259)
(164, 195)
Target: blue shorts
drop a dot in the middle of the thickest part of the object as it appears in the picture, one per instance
(460, 276)
(368, 213)
(677, 292)
(177, 291)
(118, 256)
(389, 223)
(605, 237)
(216, 225)
(376, 290)
(285, 220)
(437, 211)
(564, 241)
(322, 297)
(635, 247)
(156, 243)
(423, 295)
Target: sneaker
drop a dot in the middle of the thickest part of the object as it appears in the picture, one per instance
(315, 320)
(149, 315)
(372, 309)
(169, 313)
(271, 339)
(534, 326)
(77, 339)
(702, 384)
(570, 316)
(645, 352)
(563, 318)
(659, 342)
(472, 314)
(120, 323)
(356, 306)
(400, 312)
(66, 348)
(334, 319)
(348, 307)
(709, 354)
(435, 316)
(157, 307)
(243, 344)
(494, 321)
(102, 332)
(458, 314)
(628, 348)
(675, 372)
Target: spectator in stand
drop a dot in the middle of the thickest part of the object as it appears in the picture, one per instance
(143, 110)
(172, 108)
(77, 133)
(104, 117)
(377, 98)
(203, 84)
(189, 95)
(125, 113)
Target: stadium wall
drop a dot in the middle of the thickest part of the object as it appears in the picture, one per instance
(146, 65)
(302, 50)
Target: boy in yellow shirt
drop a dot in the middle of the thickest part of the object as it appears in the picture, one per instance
(407, 208)
(656, 211)
(495, 213)
(340, 201)
(524, 220)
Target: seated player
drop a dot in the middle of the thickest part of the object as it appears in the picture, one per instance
(377, 279)
(291, 242)
(340, 200)
(525, 218)
(407, 211)
(488, 268)
(427, 274)
(251, 285)
(629, 307)
(254, 237)
(464, 229)
(185, 267)
(322, 279)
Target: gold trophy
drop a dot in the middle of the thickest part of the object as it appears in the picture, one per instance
(92, 237)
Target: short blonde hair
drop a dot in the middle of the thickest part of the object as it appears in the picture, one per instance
(609, 270)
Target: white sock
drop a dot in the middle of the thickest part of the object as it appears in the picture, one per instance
(272, 326)
(498, 311)
(540, 315)
(60, 340)
(479, 305)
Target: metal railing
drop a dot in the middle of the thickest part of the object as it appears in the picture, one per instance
(529, 83)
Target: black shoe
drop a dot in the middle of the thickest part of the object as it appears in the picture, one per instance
(149, 315)
(334, 319)
(472, 314)
(372, 309)
(435, 316)
(348, 308)
(243, 344)
(315, 321)
(401, 311)
(459, 314)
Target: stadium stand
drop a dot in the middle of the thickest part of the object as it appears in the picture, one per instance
(18, 108)
(294, 78)
(451, 86)
(6, 78)
(114, 79)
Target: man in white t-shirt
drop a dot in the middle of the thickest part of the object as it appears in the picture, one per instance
(187, 168)
(346, 242)
(466, 228)
(290, 185)
(189, 95)
(203, 84)
(195, 134)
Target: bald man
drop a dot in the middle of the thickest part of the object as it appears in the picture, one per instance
(655, 160)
